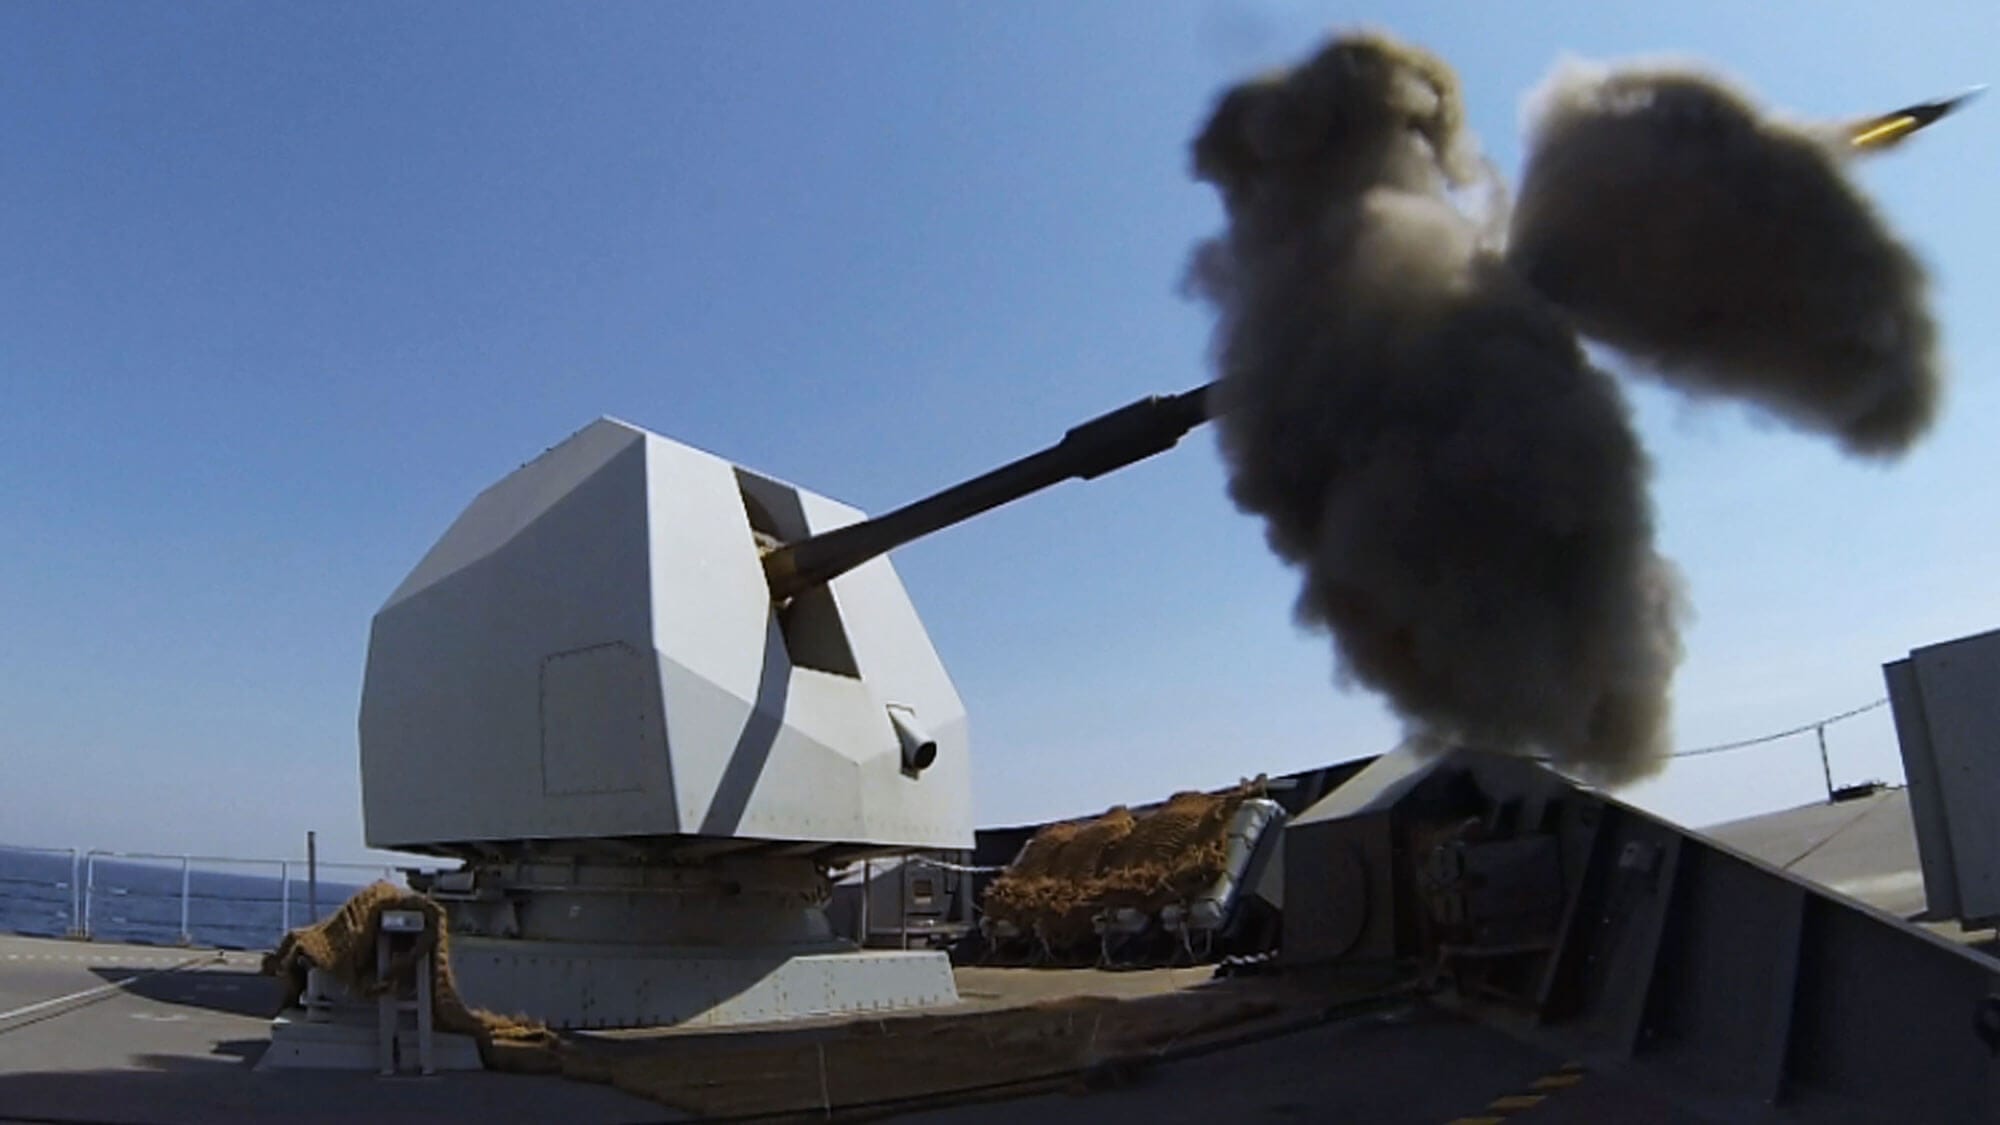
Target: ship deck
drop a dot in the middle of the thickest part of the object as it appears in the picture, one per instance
(142, 1035)
(138, 1035)
(92, 1032)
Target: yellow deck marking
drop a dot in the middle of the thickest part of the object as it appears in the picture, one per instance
(1557, 1081)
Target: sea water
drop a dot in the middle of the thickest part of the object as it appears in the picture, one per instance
(42, 894)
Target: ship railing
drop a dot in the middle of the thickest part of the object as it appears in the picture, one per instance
(87, 888)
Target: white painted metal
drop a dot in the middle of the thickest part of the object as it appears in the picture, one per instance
(591, 652)
(390, 1034)
(345, 1044)
(1379, 784)
(1208, 910)
(724, 902)
(1946, 699)
(426, 1015)
(339, 1031)
(570, 985)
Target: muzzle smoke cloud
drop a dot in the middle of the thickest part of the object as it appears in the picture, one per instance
(1419, 428)
(1725, 251)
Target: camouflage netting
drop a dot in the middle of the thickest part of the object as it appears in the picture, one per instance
(1070, 872)
(344, 946)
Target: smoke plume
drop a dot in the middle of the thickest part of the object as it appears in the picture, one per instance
(1419, 428)
(1726, 251)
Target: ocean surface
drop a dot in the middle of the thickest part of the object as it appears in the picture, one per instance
(139, 901)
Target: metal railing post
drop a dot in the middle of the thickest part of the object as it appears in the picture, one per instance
(186, 937)
(75, 892)
(89, 884)
(78, 908)
(312, 877)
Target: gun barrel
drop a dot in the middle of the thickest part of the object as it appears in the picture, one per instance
(1131, 433)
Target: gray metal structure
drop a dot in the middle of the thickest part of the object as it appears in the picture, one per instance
(1589, 926)
(590, 660)
(1946, 699)
(587, 692)
(651, 698)
(920, 901)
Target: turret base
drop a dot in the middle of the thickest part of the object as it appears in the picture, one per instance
(570, 985)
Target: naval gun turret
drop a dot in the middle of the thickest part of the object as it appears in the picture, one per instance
(650, 697)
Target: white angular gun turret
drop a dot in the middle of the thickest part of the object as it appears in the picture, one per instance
(651, 697)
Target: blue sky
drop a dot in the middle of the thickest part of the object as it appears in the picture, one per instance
(285, 286)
